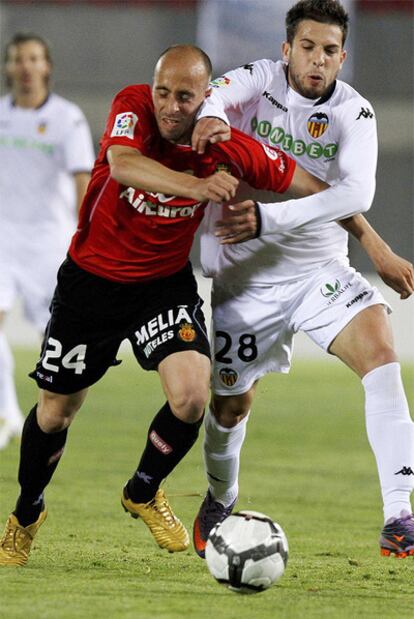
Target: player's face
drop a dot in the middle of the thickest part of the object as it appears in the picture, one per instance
(178, 91)
(27, 67)
(314, 58)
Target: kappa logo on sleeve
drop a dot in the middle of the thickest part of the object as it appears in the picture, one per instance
(124, 125)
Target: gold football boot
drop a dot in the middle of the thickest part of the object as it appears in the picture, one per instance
(17, 540)
(168, 531)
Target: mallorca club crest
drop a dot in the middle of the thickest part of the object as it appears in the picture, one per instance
(228, 376)
(318, 124)
(187, 332)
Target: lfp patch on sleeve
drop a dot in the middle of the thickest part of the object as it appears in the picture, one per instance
(124, 125)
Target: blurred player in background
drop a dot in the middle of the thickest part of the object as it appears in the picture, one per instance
(296, 275)
(128, 276)
(46, 156)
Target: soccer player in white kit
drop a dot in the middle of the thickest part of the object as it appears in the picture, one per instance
(46, 155)
(296, 274)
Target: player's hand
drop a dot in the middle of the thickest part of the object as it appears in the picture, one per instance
(219, 187)
(397, 273)
(209, 129)
(242, 223)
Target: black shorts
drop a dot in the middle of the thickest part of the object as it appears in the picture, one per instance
(91, 316)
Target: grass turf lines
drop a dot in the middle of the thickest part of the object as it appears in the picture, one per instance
(306, 463)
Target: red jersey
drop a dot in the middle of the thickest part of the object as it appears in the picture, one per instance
(128, 235)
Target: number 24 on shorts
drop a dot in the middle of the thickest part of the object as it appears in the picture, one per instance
(247, 350)
(73, 360)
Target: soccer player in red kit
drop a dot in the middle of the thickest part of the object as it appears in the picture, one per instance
(128, 275)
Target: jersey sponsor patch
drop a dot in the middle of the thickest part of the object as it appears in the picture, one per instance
(318, 124)
(219, 82)
(124, 125)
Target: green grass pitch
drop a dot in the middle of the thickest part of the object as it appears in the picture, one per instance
(306, 463)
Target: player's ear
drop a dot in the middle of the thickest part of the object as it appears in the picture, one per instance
(343, 58)
(285, 51)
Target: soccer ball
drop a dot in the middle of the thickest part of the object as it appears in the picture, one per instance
(247, 552)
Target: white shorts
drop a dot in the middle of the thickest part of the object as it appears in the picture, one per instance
(253, 327)
(30, 276)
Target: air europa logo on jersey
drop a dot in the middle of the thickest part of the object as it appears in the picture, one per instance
(318, 124)
(157, 204)
(124, 125)
(219, 82)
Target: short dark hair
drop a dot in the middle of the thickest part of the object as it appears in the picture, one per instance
(323, 11)
(203, 56)
(25, 37)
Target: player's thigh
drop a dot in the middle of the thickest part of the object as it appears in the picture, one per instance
(366, 342)
(250, 337)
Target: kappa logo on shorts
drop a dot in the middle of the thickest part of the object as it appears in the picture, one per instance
(124, 125)
(228, 376)
(359, 297)
(187, 332)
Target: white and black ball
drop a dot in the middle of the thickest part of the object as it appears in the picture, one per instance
(247, 552)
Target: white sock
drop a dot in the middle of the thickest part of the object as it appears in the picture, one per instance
(9, 407)
(222, 448)
(390, 432)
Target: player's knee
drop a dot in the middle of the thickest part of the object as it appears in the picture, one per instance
(377, 357)
(189, 404)
(55, 412)
(230, 410)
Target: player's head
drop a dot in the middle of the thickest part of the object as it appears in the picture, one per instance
(314, 48)
(180, 85)
(27, 62)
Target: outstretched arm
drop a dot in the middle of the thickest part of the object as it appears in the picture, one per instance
(395, 271)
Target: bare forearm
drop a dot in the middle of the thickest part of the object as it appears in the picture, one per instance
(130, 168)
(395, 271)
(370, 240)
(141, 172)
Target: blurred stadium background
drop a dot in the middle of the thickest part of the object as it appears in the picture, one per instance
(99, 46)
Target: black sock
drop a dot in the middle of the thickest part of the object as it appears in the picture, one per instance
(39, 456)
(169, 439)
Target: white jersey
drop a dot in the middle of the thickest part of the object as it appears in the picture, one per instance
(40, 150)
(334, 138)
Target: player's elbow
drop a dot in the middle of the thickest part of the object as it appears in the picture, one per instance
(120, 170)
(362, 195)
